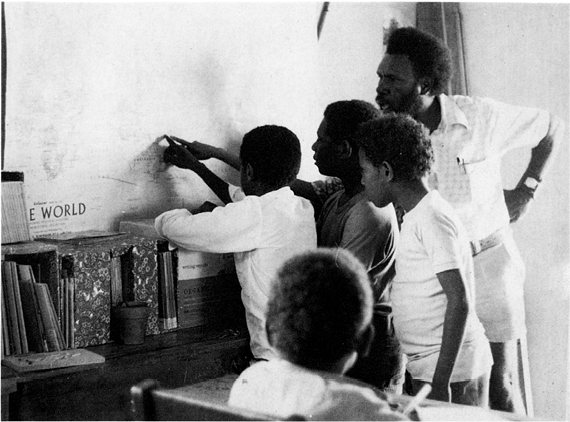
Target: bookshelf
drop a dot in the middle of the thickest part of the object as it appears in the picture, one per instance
(89, 266)
(100, 391)
(216, 344)
(43, 260)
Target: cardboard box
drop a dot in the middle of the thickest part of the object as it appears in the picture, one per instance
(207, 300)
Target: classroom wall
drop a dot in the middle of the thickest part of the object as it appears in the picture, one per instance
(92, 86)
(351, 47)
(519, 53)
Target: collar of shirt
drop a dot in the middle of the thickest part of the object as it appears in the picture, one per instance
(451, 114)
(237, 194)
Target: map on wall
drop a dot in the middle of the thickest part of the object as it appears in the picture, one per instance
(91, 87)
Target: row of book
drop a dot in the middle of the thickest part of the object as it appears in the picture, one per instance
(31, 322)
(167, 310)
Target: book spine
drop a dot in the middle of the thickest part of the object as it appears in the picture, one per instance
(35, 340)
(116, 281)
(13, 326)
(72, 312)
(65, 309)
(170, 292)
(20, 311)
(162, 292)
(5, 335)
(26, 273)
(50, 327)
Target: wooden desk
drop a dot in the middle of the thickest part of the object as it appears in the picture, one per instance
(101, 391)
(218, 390)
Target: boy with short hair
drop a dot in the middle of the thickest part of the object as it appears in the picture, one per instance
(433, 290)
(318, 320)
(346, 219)
(267, 224)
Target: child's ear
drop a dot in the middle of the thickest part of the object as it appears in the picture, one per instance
(249, 173)
(386, 169)
(365, 341)
(345, 149)
(426, 85)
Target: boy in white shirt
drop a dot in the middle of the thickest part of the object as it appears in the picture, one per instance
(318, 320)
(433, 290)
(266, 225)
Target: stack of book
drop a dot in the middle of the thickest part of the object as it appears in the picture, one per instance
(197, 288)
(15, 226)
(30, 320)
(167, 271)
(166, 291)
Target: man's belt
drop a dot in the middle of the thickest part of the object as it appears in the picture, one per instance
(494, 239)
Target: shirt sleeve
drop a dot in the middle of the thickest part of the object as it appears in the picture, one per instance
(236, 193)
(325, 188)
(515, 127)
(372, 243)
(440, 237)
(233, 228)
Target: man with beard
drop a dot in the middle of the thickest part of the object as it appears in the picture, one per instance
(470, 135)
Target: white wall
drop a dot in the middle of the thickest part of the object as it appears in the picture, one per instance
(351, 47)
(91, 86)
(519, 53)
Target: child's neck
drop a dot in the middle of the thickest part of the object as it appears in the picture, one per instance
(409, 194)
(258, 189)
(352, 186)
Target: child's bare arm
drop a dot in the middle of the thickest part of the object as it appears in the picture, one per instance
(453, 331)
(204, 151)
(181, 157)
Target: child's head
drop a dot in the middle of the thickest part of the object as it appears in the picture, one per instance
(270, 156)
(336, 151)
(393, 149)
(320, 310)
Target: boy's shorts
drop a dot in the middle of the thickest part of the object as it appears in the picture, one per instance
(385, 365)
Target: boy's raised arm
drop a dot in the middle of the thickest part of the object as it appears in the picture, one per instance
(181, 157)
(204, 152)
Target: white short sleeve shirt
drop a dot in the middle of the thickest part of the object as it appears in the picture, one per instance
(473, 135)
(282, 389)
(432, 240)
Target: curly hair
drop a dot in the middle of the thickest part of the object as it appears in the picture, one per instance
(399, 140)
(430, 57)
(319, 307)
(274, 153)
(344, 118)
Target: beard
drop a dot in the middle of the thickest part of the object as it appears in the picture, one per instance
(411, 104)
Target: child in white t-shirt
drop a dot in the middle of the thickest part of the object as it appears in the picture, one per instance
(433, 290)
(318, 321)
